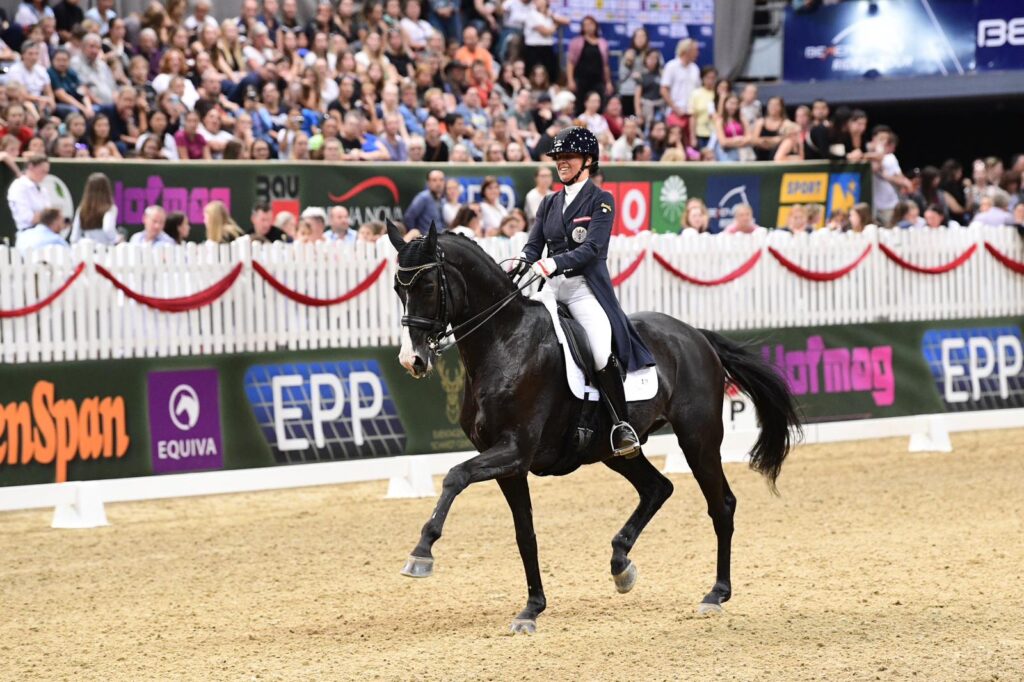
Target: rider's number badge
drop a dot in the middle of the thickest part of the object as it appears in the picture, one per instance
(579, 234)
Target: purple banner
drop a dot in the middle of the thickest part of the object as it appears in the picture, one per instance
(184, 421)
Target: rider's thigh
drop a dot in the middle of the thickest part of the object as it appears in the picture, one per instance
(589, 313)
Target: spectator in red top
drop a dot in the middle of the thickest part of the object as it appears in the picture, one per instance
(15, 117)
(191, 145)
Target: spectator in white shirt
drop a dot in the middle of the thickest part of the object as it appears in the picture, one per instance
(93, 71)
(417, 30)
(31, 74)
(26, 196)
(541, 189)
(210, 130)
(678, 81)
(202, 17)
(992, 211)
(96, 217)
(46, 233)
(31, 12)
(103, 13)
(888, 178)
(622, 149)
(153, 229)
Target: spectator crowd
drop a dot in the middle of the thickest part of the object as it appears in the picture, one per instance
(419, 80)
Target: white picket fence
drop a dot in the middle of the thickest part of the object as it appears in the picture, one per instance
(92, 320)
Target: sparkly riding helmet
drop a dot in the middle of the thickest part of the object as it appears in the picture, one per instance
(575, 140)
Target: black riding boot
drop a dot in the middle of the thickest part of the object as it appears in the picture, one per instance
(625, 442)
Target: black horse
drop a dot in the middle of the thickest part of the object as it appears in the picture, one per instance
(514, 407)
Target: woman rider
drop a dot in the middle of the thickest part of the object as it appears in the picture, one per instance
(575, 224)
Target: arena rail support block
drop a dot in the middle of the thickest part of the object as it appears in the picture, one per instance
(934, 437)
(83, 508)
(413, 479)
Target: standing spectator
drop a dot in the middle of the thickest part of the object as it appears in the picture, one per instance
(152, 234)
(680, 78)
(33, 76)
(541, 188)
(26, 196)
(425, 208)
(766, 134)
(633, 67)
(67, 88)
(648, 101)
(491, 209)
(702, 108)
(191, 145)
(729, 129)
(952, 182)
(510, 41)
(96, 217)
(45, 233)
(539, 31)
(445, 17)
(929, 192)
(586, 68)
(888, 180)
(30, 13)
(177, 227)
(94, 72)
(992, 212)
(68, 14)
(341, 226)
(220, 227)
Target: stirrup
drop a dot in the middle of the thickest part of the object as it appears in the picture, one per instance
(629, 451)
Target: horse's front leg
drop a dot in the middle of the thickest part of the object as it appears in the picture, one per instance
(517, 493)
(500, 461)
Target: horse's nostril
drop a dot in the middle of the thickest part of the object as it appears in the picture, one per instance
(418, 364)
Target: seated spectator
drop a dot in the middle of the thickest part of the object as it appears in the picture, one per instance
(791, 148)
(304, 232)
(467, 222)
(125, 120)
(860, 217)
(94, 72)
(907, 215)
(510, 227)
(591, 117)
(192, 145)
(750, 106)
(815, 216)
(675, 149)
(33, 76)
(45, 233)
(152, 234)
(929, 191)
(695, 217)
(96, 217)
(360, 144)
(210, 130)
(993, 211)
(767, 135)
(67, 88)
(371, 231)
(1018, 217)
(839, 221)
(624, 147)
(220, 226)
(341, 226)
(934, 216)
(287, 223)
(316, 218)
(392, 140)
(492, 211)
(797, 221)
(26, 196)
(743, 221)
(15, 118)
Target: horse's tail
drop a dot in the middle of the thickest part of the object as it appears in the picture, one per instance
(776, 409)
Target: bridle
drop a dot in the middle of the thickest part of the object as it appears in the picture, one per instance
(436, 326)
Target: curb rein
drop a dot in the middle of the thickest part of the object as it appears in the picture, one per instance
(437, 325)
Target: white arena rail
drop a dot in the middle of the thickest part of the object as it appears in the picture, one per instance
(93, 320)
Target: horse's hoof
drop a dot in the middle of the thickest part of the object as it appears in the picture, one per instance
(526, 626)
(625, 581)
(706, 609)
(418, 567)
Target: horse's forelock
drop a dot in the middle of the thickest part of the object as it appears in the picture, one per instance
(415, 253)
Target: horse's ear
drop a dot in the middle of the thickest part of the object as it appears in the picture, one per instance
(432, 239)
(395, 235)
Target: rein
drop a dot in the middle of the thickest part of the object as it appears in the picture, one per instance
(438, 325)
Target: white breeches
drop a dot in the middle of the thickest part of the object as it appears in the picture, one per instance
(575, 293)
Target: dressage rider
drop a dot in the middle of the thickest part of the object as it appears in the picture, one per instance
(575, 224)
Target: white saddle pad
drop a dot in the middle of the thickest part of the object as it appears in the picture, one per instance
(640, 385)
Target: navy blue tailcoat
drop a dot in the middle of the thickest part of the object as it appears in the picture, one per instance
(578, 242)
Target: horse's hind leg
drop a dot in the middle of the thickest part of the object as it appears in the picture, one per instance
(653, 489)
(497, 462)
(517, 493)
(702, 448)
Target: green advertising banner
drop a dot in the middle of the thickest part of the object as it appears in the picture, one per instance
(137, 417)
(647, 196)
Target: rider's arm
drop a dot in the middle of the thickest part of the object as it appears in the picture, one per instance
(599, 232)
